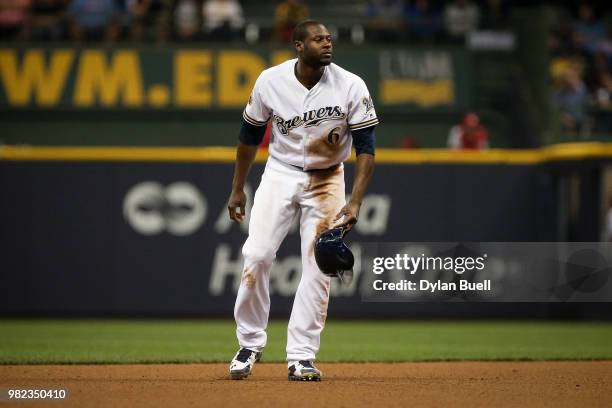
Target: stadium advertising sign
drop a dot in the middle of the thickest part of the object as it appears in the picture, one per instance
(185, 78)
(154, 237)
(425, 79)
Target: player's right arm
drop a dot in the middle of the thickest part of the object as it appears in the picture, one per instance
(255, 117)
(245, 155)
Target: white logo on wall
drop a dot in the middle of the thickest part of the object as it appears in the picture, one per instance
(151, 208)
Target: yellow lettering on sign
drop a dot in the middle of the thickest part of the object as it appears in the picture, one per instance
(109, 83)
(34, 76)
(237, 71)
(192, 78)
(422, 93)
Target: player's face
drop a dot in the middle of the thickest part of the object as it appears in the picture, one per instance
(317, 46)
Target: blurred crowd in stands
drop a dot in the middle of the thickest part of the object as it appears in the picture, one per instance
(263, 20)
(581, 61)
(430, 21)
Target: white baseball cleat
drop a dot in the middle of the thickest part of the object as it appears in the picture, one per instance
(304, 370)
(242, 363)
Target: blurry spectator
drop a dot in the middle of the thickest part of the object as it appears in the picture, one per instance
(460, 18)
(223, 19)
(602, 93)
(424, 21)
(495, 14)
(469, 134)
(47, 19)
(138, 11)
(580, 68)
(186, 22)
(560, 41)
(588, 31)
(164, 19)
(94, 19)
(287, 15)
(408, 142)
(144, 14)
(605, 45)
(600, 74)
(385, 20)
(570, 97)
(13, 16)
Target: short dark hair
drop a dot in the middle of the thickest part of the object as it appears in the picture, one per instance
(301, 30)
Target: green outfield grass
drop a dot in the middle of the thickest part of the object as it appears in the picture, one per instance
(198, 341)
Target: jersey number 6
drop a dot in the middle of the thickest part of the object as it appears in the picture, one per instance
(333, 137)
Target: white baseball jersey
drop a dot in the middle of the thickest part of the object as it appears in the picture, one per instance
(310, 127)
(311, 130)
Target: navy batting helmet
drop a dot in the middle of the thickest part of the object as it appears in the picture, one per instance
(333, 257)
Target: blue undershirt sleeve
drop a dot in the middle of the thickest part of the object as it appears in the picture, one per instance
(251, 134)
(364, 140)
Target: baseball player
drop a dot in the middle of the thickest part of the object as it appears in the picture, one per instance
(318, 110)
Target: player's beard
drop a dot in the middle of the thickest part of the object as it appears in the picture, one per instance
(314, 60)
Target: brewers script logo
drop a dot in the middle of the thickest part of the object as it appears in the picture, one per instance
(309, 119)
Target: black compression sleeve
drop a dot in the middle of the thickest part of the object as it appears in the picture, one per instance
(250, 134)
(364, 140)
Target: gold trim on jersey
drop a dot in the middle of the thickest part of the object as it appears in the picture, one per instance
(253, 121)
(365, 124)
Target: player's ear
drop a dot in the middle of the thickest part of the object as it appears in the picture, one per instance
(299, 45)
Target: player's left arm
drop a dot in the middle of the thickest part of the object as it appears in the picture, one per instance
(364, 167)
(362, 121)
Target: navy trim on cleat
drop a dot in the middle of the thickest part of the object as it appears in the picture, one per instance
(307, 372)
(245, 359)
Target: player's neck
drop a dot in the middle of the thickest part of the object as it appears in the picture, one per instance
(308, 75)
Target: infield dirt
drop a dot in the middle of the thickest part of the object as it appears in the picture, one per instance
(473, 384)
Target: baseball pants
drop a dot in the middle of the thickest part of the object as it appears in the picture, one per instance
(284, 192)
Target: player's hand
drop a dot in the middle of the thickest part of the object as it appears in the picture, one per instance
(350, 212)
(236, 205)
